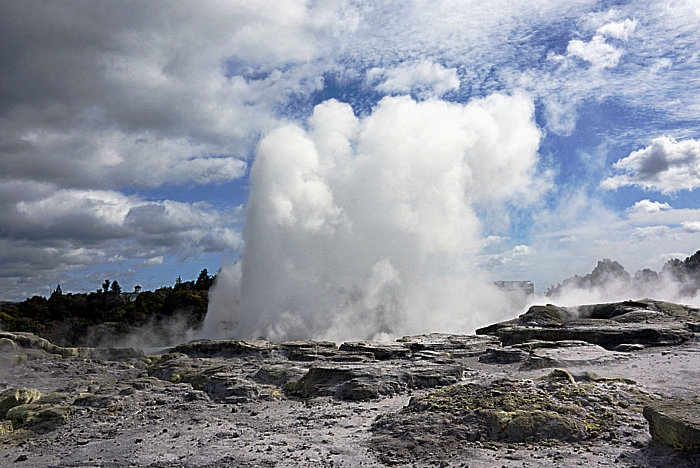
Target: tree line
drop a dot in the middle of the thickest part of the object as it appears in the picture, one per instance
(70, 318)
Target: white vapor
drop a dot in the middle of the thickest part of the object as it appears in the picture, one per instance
(362, 228)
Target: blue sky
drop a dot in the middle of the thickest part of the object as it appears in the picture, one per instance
(128, 129)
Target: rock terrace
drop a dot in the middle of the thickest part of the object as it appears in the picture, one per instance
(561, 386)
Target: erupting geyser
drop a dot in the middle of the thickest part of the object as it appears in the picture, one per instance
(365, 227)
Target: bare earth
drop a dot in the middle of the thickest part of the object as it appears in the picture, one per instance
(255, 404)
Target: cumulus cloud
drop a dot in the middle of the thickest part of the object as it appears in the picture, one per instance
(651, 232)
(648, 206)
(517, 256)
(597, 51)
(49, 232)
(691, 226)
(101, 215)
(154, 261)
(357, 226)
(157, 97)
(103, 100)
(423, 77)
(666, 165)
(618, 29)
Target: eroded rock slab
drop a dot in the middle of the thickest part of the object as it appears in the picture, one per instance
(353, 382)
(675, 423)
(646, 322)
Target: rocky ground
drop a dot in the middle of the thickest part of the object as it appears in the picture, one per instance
(605, 385)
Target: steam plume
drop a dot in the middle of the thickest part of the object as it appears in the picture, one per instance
(362, 228)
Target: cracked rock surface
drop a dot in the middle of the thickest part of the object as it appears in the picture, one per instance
(527, 392)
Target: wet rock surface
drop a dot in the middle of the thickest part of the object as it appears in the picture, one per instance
(504, 398)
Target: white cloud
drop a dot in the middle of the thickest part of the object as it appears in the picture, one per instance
(580, 229)
(523, 251)
(425, 77)
(101, 100)
(648, 206)
(178, 94)
(666, 165)
(154, 261)
(691, 226)
(494, 240)
(170, 94)
(517, 256)
(598, 52)
(49, 233)
(618, 29)
(561, 116)
(651, 232)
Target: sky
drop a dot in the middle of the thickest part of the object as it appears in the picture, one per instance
(537, 136)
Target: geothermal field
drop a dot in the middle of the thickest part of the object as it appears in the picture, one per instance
(599, 385)
(429, 233)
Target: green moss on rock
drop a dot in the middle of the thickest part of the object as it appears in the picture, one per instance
(675, 423)
(38, 417)
(15, 397)
(552, 407)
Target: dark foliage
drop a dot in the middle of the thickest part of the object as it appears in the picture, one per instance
(68, 319)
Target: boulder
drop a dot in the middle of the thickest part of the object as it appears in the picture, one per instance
(353, 382)
(507, 355)
(31, 341)
(532, 425)
(675, 423)
(444, 424)
(178, 368)
(15, 397)
(601, 333)
(277, 375)
(646, 322)
(326, 380)
(308, 351)
(431, 375)
(546, 316)
(38, 417)
(230, 388)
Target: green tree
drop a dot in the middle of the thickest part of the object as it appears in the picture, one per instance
(204, 281)
(116, 288)
(57, 293)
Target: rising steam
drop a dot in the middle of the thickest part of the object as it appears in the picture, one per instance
(609, 282)
(363, 228)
